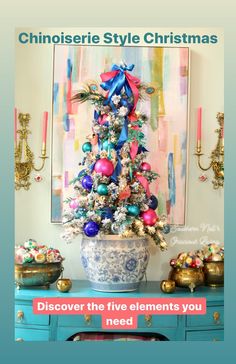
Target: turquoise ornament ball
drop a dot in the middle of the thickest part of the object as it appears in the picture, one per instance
(102, 189)
(107, 145)
(87, 147)
(133, 210)
(80, 212)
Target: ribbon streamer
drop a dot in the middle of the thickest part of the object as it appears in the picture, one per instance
(133, 149)
(117, 170)
(123, 135)
(144, 182)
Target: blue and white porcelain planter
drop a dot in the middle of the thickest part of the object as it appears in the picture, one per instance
(114, 264)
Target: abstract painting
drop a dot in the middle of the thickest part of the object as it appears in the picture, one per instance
(166, 131)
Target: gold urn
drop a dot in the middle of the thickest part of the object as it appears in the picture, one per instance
(187, 277)
(36, 274)
(214, 273)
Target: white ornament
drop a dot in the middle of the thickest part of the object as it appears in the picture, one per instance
(123, 111)
(116, 99)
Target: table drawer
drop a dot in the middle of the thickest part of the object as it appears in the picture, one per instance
(155, 321)
(24, 315)
(214, 317)
(211, 335)
(81, 321)
(31, 335)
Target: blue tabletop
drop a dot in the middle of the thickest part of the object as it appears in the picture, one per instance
(147, 289)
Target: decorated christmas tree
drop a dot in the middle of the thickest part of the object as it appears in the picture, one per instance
(111, 191)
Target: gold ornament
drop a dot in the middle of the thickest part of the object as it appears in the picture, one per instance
(167, 286)
(64, 285)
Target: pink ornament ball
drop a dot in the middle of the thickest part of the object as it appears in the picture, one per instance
(73, 204)
(145, 167)
(104, 166)
(149, 217)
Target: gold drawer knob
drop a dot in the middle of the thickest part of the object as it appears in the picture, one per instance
(87, 319)
(19, 339)
(148, 320)
(20, 315)
(216, 316)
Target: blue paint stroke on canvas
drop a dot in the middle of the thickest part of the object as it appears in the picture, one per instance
(183, 156)
(171, 180)
(66, 122)
(69, 68)
(55, 95)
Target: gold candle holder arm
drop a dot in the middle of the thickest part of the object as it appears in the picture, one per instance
(217, 155)
(43, 157)
(199, 154)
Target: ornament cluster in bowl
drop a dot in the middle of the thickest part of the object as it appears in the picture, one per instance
(112, 205)
(187, 270)
(213, 256)
(36, 265)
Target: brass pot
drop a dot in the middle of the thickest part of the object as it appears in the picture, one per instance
(187, 277)
(214, 274)
(34, 274)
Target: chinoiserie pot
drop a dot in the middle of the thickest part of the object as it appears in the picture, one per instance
(36, 274)
(187, 277)
(214, 273)
(114, 264)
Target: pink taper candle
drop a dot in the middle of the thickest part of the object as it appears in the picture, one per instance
(45, 126)
(199, 124)
(15, 125)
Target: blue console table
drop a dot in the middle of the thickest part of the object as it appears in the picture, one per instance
(30, 327)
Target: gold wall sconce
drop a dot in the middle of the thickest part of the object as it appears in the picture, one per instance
(24, 157)
(217, 154)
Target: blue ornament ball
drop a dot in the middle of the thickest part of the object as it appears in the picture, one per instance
(106, 213)
(166, 229)
(153, 202)
(87, 147)
(102, 189)
(91, 229)
(107, 145)
(133, 210)
(80, 212)
(87, 182)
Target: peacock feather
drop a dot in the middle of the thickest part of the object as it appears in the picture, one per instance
(88, 92)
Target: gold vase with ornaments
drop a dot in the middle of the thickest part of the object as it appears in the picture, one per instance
(214, 273)
(187, 270)
(213, 256)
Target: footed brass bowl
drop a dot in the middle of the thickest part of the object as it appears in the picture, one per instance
(34, 274)
(214, 274)
(187, 277)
